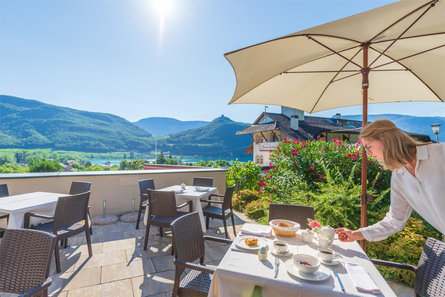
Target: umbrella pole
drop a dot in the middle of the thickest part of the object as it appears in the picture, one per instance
(364, 196)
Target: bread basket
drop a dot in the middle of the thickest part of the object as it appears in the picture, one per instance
(286, 231)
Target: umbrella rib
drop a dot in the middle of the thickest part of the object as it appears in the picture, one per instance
(402, 18)
(409, 37)
(333, 51)
(320, 71)
(413, 73)
(410, 56)
(404, 31)
(333, 78)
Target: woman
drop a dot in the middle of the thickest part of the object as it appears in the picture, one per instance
(417, 181)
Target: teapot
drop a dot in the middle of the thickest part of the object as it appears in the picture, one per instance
(327, 232)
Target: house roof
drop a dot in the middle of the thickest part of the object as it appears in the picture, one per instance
(309, 128)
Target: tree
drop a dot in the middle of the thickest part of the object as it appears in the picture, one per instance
(43, 165)
(161, 159)
(22, 157)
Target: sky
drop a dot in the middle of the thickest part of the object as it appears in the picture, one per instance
(128, 58)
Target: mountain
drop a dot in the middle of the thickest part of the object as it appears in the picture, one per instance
(32, 124)
(409, 123)
(166, 126)
(218, 139)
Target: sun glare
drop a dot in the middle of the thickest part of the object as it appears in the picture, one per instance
(163, 7)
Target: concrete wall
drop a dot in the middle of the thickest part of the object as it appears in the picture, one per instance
(118, 188)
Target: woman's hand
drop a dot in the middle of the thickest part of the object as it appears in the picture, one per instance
(346, 235)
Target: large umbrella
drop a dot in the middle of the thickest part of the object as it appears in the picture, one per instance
(389, 54)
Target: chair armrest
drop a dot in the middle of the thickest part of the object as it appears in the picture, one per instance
(194, 266)
(216, 195)
(212, 201)
(31, 214)
(394, 264)
(143, 197)
(36, 290)
(189, 203)
(4, 216)
(219, 239)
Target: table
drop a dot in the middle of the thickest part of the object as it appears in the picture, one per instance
(16, 206)
(239, 272)
(186, 195)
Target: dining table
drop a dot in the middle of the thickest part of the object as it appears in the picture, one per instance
(190, 193)
(17, 205)
(241, 273)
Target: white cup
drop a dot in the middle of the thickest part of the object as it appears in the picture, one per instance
(280, 246)
(327, 255)
(324, 242)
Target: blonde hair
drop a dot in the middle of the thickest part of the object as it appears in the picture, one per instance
(398, 148)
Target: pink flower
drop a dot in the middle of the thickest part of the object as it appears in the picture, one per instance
(314, 224)
(335, 139)
(294, 153)
(297, 164)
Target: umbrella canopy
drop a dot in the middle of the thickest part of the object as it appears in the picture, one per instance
(320, 68)
(388, 54)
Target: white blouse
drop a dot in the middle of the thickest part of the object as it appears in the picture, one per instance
(424, 192)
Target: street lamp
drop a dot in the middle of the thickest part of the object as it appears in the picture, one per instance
(436, 129)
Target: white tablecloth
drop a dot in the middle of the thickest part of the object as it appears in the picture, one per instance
(239, 272)
(189, 194)
(16, 206)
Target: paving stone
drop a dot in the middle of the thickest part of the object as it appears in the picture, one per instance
(154, 250)
(103, 259)
(120, 288)
(126, 270)
(163, 263)
(83, 278)
(119, 244)
(152, 284)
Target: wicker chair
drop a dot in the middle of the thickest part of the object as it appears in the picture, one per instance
(203, 181)
(221, 213)
(78, 187)
(144, 185)
(162, 211)
(296, 213)
(188, 243)
(70, 218)
(430, 272)
(3, 193)
(25, 259)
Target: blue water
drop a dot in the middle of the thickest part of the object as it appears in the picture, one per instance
(191, 160)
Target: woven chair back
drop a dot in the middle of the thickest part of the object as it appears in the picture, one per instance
(296, 213)
(4, 190)
(430, 273)
(203, 181)
(162, 203)
(25, 258)
(145, 184)
(227, 204)
(71, 210)
(188, 240)
(78, 187)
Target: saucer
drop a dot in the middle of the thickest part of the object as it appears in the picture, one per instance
(320, 275)
(277, 254)
(330, 263)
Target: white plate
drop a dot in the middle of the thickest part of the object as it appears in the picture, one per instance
(320, 275)
(330, 263)
(239, 243)
(201, 189)
(276, 254)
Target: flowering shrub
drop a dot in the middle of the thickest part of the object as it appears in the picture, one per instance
(303, 166)
(257, 209)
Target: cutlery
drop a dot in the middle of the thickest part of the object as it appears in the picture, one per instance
(339, 280)
(277, 266)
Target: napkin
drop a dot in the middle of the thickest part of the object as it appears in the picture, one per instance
(257, 230)
(361, 279)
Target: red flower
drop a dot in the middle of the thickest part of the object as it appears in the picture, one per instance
(314, 224)
(294, 153)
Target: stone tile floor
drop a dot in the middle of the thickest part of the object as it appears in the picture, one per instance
(120, 266)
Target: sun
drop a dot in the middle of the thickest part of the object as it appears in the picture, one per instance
(163, 7)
